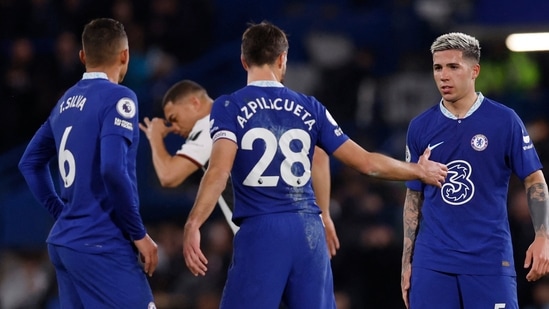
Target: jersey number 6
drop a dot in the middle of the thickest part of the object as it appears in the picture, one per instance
(65, 156)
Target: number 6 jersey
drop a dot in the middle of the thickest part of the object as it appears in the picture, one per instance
(94, 132)
(276, 130)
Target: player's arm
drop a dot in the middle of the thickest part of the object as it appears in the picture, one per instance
(211, 186)
(410, 219)
(171, 170)
(382, 166)
(537, 255)
(114, 153)
(34, 165)
(321, 186)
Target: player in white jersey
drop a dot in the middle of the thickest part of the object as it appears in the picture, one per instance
(457, 243)
(187, 107)
(264, 136)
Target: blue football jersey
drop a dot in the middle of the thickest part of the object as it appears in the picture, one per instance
(276, 130)
(86, 113)
(464, 225)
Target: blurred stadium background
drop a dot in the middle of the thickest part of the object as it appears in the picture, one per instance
(368, 61)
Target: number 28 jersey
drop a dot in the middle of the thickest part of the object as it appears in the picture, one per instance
(276, 130)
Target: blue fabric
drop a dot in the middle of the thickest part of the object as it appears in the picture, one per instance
(464, 226)
(107, 280)
(92, 134)
(431, 289)
(280, 256)
(276, 130)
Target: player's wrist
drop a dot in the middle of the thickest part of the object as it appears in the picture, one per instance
(192, 225)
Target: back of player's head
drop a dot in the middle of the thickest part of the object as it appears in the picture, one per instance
(180, 90)
(262, 43)
(467, 44)
(102, 40)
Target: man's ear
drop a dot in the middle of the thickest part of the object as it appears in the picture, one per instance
(82, 56)
(195, 101)
(476, 70)
(244, 64)
(124, 56)
(282, 58)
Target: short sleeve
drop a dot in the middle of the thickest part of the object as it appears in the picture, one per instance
(524, 158)
(412, 154)
(222, 124)
(330, 136)
(198, 144)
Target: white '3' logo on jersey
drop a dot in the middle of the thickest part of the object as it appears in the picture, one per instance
(458, 188)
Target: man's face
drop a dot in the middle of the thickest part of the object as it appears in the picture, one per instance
(182, 114)
(454, 75)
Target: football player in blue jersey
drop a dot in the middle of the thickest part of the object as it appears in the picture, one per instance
(264, 135)
(457, 245)
(93, 135)
(187, 108)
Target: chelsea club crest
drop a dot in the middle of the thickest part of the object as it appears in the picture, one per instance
(479, 142)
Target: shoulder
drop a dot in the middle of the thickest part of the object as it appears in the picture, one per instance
(498, 110)
(203, 123)
(426, 116)
(122, 91)
(123, 98)
(301, 96)
(225, 102)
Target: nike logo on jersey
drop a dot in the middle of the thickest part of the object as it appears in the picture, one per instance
(434, 146)
(194, 136)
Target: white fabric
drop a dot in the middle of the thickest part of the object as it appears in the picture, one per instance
(198, 149)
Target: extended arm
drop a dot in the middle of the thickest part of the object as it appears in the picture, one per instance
(381, 166)
(411, 216)
(171, 170)
(537, 254)
(321, 186)
(212, 185)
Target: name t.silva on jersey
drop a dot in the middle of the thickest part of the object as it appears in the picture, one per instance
(78, 101)
(75, 101)
(250, 109)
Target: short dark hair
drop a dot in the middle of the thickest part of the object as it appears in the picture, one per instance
(181, 89)
(102, 38)
(262, 43)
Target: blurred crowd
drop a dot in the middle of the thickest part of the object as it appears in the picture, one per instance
(368, 61)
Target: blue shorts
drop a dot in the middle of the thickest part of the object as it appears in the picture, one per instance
(280, 257)
(108, 280)
(431, 289)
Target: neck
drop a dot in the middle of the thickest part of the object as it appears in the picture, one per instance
(113, 73)
(265, 72)
(206, 109)
(460, 107)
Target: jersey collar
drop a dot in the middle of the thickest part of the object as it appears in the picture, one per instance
(266, 83)
(93, 75)
(473, 108)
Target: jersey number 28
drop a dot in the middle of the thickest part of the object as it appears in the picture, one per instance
(256, 178)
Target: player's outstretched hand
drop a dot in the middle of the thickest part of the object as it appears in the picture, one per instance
(331, 236)
(194, 258)
(434, 172)
(148, 250)
(537, 257)
(155, 127)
